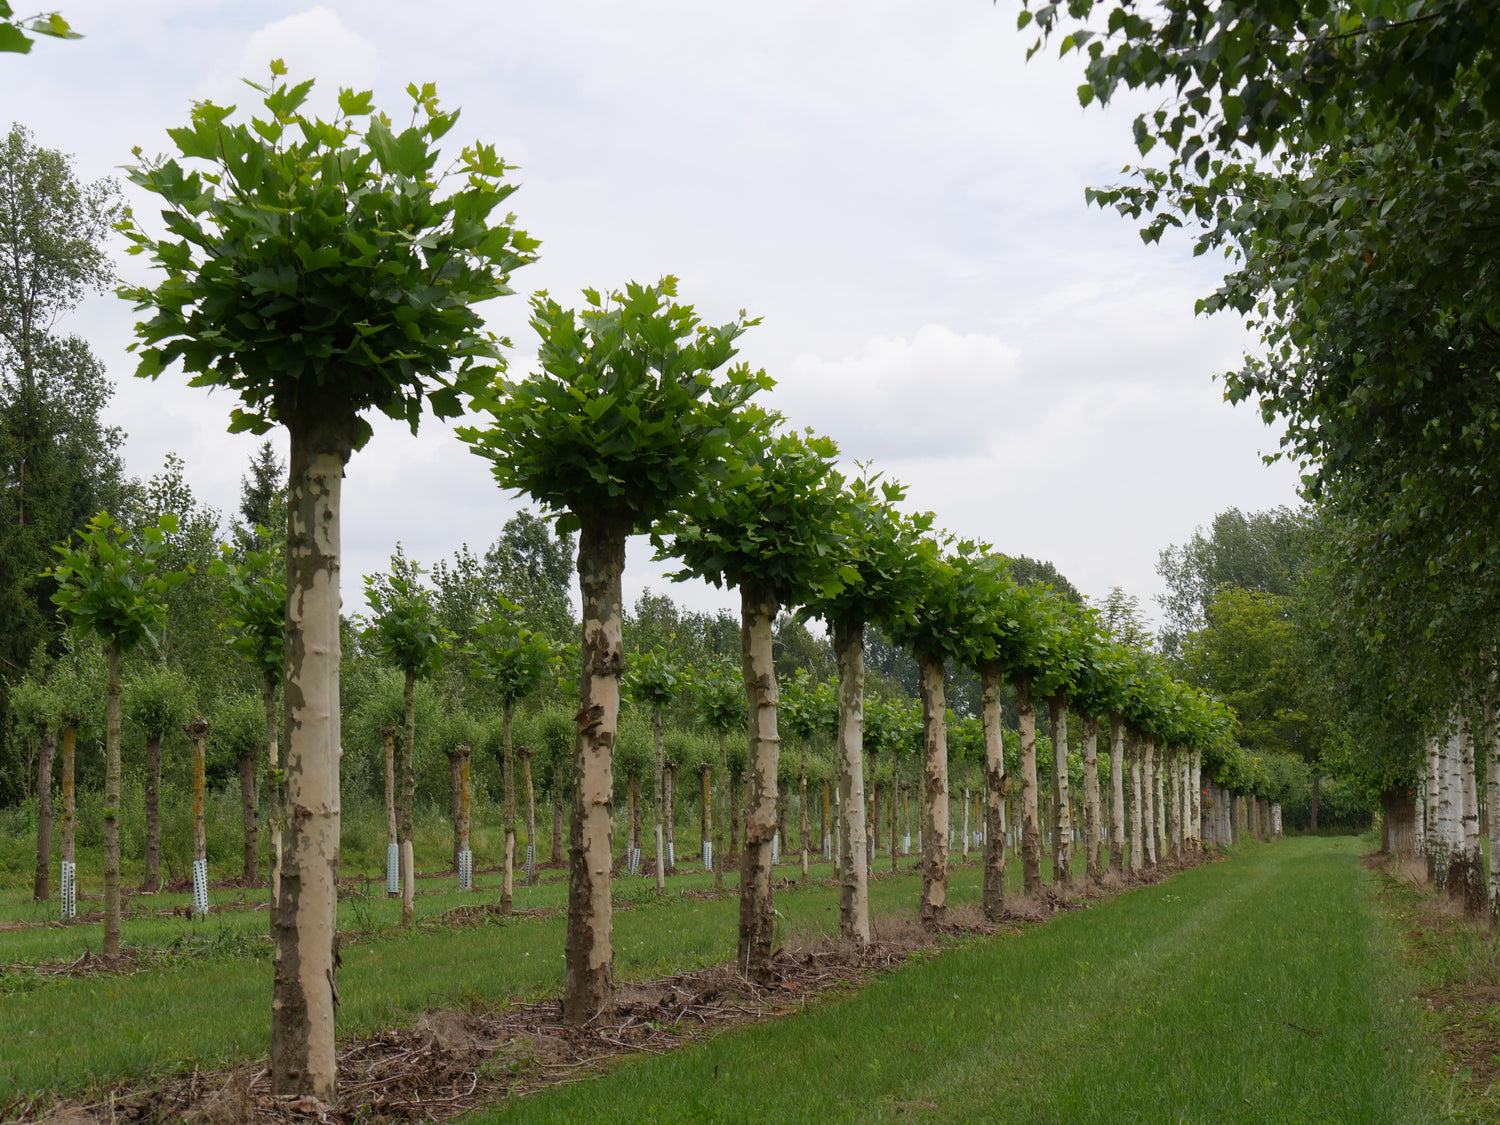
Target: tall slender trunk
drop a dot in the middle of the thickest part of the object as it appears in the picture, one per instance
(1138, 821)
(70, 813)
(1170, 790)
(197, 732)
(657, 802)
(1474, 889)
(1062, 816)
(1432, 795)
(249, 816)
(757, 906)
(995, 786)
(1492, 785)
(1117, 793)
(112, 801)
(1093, 836)
(273, 782)
(1031, 832)
(41, 889)
(706, 807)
(455, 801)
(934, 904)
(590, 960)
(669, 812)
(1195, 799)
(508, 787)
(802, 820)
(151, 882)
(392, 815)
(1151, 790)
(408, 803)
(524, 752)
(303, 990)
(721, 854)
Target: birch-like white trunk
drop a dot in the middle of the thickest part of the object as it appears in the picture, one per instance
(1062, 813)
(1150, 800)
(1117, 843)
(1031, 829)
(1093, 836)
(1137, 806)
(303, 992)
(934, 903)
(758, 608)
(854, 871)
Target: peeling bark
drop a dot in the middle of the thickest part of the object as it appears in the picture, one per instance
(1062, 815)
(934, 903)
(854, 857)
(589, 952)
(1093, 836)
(41, 888)
(995, 786)
(112, 801)
(1117, 793)
(303, 989)
(1150, 799)
(757, 907)
(1031, 835)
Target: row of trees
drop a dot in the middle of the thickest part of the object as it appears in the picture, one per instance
(357, 267)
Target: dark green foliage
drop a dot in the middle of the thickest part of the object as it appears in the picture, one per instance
(319, 269)
(111, 584)
(533, 567)
(404, 629)
(625, 415)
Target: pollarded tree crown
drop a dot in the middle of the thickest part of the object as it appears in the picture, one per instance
(771, 525)
(324, 268)
(632, 408)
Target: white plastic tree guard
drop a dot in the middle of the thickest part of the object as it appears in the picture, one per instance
(708, 855)
(69, 889)
(200, 886)
(393, 869)
(466, 870)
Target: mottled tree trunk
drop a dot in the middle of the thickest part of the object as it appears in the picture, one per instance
(392, 814)
(657, 789)
(303, 990)
(508, 789)
(41, 889)
(757, 906)
(1093, 836)
(934, 811)
(1137, 805)
(1475, 888)
(1195, 799)
(408, 804)
(589, 952)
(273, 784)
(151, 881)
(1062, 812)
(1171, 815)
(1117, 793)
(1149, 799)
(1492, 784)
(112, 801)
(1431, 795)
(995, 786)
(1031, 831)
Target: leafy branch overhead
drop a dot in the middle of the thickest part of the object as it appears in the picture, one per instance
(111, 583)
(16, 31)
(325, 267)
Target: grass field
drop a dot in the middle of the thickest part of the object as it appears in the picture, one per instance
(1258, 989)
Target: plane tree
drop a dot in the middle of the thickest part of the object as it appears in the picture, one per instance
(878, 563)
(111, 585)
(769, 530)
(654, 681)
(628, 414)
(514, 662)
(319, 270)
(721, 706)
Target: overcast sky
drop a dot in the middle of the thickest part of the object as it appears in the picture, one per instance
(889, 185)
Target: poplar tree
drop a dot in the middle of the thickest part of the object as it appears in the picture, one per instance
(626, 417)
(320, 270)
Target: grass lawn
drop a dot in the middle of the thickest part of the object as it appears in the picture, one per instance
(1262, 989)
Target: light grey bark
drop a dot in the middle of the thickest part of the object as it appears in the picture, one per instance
(995, 786)
(1062, 818)
(1149, 800)
(1117, 793)
(1031, 833)
(1093, 837)
(934, 903)
(757, 929)
(1137, 807)
(854, 872)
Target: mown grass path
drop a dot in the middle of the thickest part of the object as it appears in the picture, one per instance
(1261, 989)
